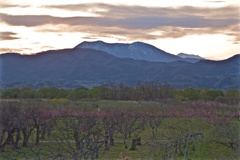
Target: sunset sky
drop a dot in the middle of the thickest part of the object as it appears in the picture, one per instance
(209, 28)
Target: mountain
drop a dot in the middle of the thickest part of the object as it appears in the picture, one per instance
(70, 68)
(184, 55)
(190, 57)
(136, 50)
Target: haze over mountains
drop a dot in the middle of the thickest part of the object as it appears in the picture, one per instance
(93, 63)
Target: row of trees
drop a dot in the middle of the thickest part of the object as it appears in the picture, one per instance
(82, 134)
(120, 91)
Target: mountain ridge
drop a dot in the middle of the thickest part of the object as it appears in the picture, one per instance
(184, 55)
(136, 50)
(69, 68)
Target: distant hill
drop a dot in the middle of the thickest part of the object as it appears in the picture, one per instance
(190, 57)
(136, 50)
(184, 55)
(70, 68)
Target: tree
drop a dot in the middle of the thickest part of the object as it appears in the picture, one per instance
(43, 93)
(86, 129)
(80, 92)
(212, 95)
(27, 126)
(110, 124)
(27, 93)
(9, 124)
(11, 93)
(232, 93)
(94, 92)
(191, 94)
(129, 123)
(154, 119)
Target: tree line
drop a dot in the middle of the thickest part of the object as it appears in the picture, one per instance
(119, 91)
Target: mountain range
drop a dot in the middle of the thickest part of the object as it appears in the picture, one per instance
(137, 51)
(93, 63)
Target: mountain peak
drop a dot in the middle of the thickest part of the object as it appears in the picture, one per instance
(184, 55)
(136, 50)
(139, 43)
(235, 58)
(90, 44)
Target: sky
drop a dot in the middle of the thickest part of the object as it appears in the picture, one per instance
(208, 28)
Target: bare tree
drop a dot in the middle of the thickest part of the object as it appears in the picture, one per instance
(10, 129)
(129, 122)
(86, 130)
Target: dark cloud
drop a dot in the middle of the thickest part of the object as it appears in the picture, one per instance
(141, 22)
(8, 36)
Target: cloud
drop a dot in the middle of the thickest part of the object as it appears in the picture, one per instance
(27, 20)
(233, 31)
(11, 50)
(9, 5)
(138, 22)
(134, 22)
(8, 36)
(132, 17)
(123, 11)
(215, 1)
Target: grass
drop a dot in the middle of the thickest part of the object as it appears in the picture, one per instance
(204, 151)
